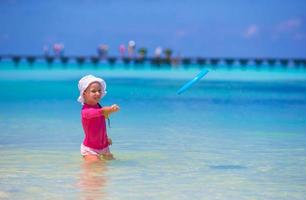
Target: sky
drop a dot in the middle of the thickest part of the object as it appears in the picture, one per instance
(215, 28)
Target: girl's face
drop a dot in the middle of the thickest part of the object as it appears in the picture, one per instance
(93, 93)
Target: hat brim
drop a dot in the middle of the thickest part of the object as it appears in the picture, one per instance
(90, 81)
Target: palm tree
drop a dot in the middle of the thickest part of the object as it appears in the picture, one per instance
(168, 53)
(142, 52)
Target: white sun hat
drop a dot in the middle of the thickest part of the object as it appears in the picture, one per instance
(86, 81)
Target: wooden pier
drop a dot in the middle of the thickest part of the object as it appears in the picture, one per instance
(157, 61)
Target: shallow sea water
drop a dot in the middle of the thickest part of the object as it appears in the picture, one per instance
(221, 139)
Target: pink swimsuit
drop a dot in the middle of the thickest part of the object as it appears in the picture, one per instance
(94, 128)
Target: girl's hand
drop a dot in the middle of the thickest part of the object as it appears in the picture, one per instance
(115, 108)
(107, 110)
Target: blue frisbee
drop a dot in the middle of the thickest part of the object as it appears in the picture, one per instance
(193, 81)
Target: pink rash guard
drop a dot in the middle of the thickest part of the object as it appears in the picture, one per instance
(94, 127)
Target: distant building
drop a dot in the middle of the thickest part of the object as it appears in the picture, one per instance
(158, 52)
(122, 50)
(58, 49)
(131, 48)
(103, 51)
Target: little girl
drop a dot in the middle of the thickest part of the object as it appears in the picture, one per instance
(96, 142)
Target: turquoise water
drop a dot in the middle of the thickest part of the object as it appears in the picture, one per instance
(236, 134)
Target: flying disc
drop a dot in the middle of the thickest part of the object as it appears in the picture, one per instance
(193, 81)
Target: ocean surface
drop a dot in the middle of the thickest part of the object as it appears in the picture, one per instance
(236, 134)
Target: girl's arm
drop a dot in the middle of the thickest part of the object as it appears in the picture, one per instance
(107, 110)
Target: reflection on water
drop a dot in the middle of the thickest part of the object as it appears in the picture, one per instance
(92, 180)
